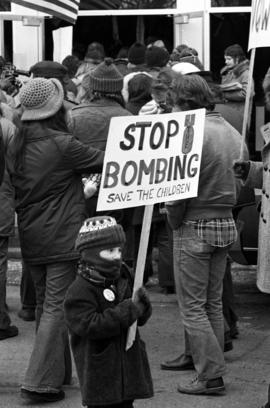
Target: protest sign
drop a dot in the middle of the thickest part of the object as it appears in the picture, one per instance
(259, 32)
(151, 159)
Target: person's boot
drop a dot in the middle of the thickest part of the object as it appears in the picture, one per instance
(42, 397)
(200, 387)
(10, 331)
(181, 363)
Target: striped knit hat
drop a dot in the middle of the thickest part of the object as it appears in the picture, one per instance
(100, 232)
(106, 78)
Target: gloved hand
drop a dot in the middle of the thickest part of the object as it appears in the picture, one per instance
(241, 169)
(141, 300)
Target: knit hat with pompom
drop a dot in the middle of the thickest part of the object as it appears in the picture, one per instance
(41, 98)
(100, 232)
(106, 78)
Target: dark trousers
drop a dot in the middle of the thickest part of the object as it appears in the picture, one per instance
(164, 240)
(4, 316)
(27, 289)
(228, 302)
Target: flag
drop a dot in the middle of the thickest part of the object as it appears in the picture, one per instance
(64, 9)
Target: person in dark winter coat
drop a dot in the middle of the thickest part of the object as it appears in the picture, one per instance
(46, 163)
(99, 310)
(7, 212)
(90, 122)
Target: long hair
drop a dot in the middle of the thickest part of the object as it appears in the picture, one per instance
(236, 52)
(192, 92)
(56, 122)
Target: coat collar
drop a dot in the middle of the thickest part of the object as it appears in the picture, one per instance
(237, 69)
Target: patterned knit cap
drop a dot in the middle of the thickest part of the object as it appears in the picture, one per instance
(106, 78)
(41, 98)
(102, 231)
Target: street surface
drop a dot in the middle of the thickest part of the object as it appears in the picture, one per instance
(248, 363)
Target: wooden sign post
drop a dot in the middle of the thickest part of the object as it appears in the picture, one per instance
(138, 282)
(150, 159)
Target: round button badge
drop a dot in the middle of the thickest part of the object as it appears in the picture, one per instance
(109, 295)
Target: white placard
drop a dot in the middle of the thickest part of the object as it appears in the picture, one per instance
(151, 159)
(259, 31)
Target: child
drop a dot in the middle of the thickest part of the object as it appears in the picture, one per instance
(99, 310)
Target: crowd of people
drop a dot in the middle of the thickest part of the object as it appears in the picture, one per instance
(78, 263)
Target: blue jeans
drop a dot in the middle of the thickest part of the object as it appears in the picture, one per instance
(198, 271)
(4, 317)
(50, 359)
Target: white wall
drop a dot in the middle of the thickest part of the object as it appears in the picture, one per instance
(62, 43)
(191, 34)
(27, 40)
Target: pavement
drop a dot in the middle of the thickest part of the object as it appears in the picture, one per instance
(248, 363)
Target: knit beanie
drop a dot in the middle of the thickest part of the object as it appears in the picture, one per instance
(41, 98)
(136, 54)
(156, 56)
(100, 232)
(97, 234)
(49, 69)
(106, 78)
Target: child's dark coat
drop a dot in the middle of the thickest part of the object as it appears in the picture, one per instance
(107, 373)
